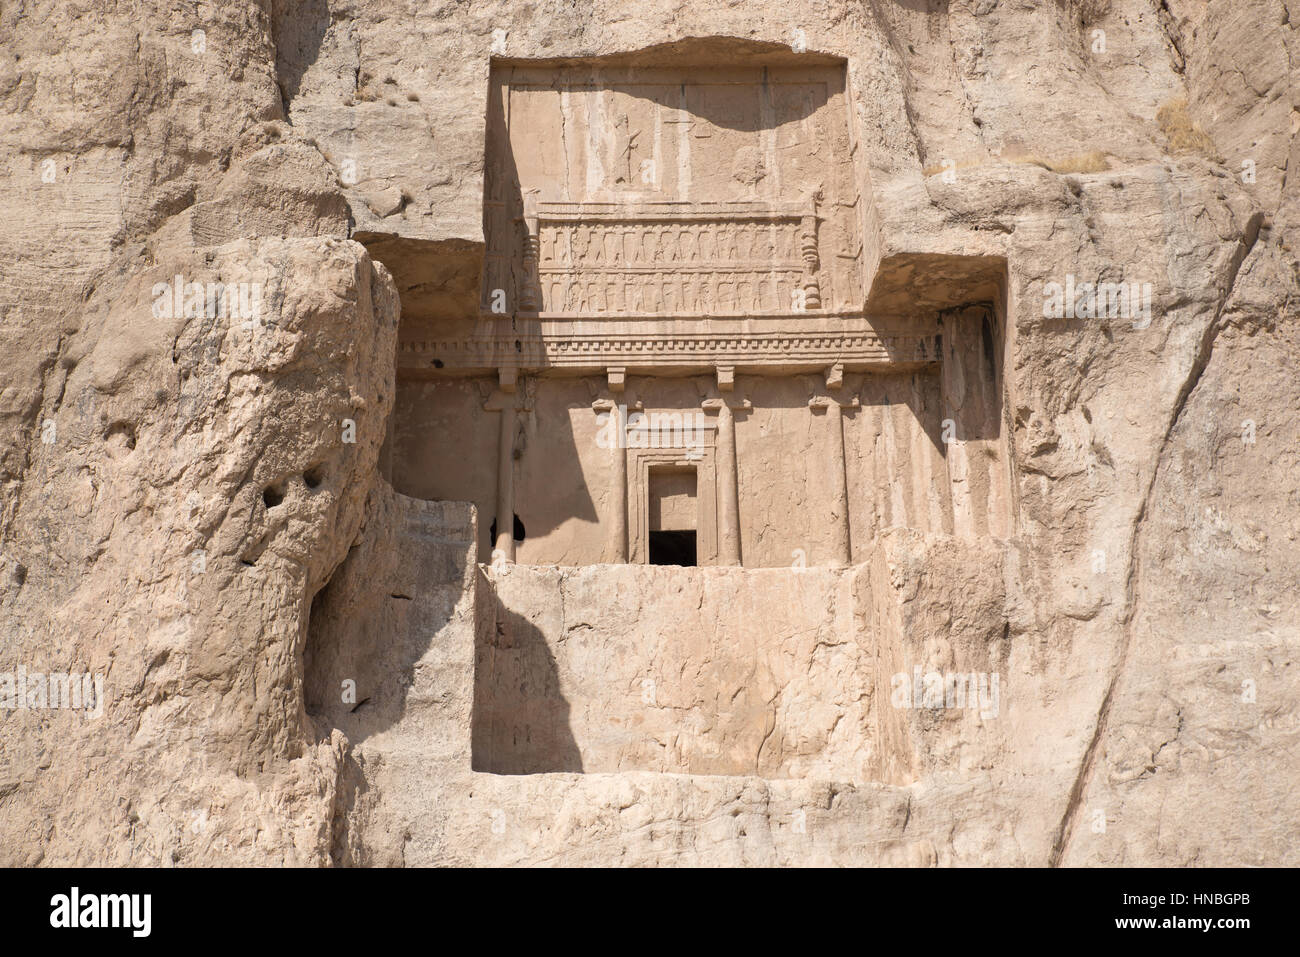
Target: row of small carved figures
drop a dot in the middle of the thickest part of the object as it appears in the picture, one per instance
(488, 350)
(680, 292)
(669, 243)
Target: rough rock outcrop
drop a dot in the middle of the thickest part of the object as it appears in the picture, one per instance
(193, 502)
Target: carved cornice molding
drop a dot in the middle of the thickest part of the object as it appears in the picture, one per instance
(588, 346)
(668, 212)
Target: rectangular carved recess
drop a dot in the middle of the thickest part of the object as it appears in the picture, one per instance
(670, 192)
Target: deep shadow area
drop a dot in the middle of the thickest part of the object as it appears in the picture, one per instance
(444, 449)
(521, 717)
(519, 534)
(299, 28)
(437, 280)
(380, 612)
(672, 548)
(689, 52)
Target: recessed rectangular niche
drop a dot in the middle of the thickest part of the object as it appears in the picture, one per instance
(673, 516)
(673, 490)
(673, 505)
(670, 190)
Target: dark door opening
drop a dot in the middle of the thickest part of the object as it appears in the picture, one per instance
(672, 548)
(673, 513)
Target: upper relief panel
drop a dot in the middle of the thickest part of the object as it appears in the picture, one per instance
(681, 192)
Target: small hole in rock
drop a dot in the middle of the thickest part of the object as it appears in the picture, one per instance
(272, 496)
(122, 433)
(314, 476)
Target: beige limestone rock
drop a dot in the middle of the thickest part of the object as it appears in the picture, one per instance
(184, 511)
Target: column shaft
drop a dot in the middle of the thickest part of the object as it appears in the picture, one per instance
(505, 543)
(728, 496)
(618, 506)
(839, 485)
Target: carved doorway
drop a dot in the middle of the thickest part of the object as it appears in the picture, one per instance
(672, 500)
(674, 516)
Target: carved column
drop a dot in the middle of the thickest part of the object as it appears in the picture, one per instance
(618, 529)
(728, 478)
(503, 401)
(728, 489)
(841, 542)
(839, 468)
(505, 542)
(617, 543)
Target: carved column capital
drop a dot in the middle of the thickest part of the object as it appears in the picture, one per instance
(734, 402)
(820, 403)
(609, 405)
(498, 401)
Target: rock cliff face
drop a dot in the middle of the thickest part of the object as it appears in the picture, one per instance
(220, 216)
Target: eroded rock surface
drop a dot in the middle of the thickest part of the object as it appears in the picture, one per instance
(222, 516)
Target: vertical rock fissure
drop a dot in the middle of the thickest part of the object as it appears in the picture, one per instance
(1065, 831)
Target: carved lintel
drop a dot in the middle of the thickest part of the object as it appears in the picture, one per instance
(617, 378)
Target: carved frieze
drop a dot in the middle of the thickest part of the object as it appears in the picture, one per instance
(675, 259)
